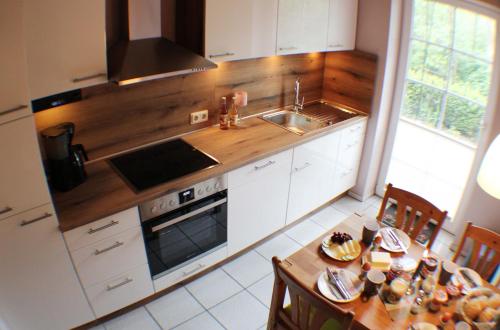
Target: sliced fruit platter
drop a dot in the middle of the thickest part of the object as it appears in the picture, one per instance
(341, 246)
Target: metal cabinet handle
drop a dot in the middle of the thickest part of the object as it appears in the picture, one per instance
(112, 223)
(29, 222)
(287, 48)
(126, 281)
(347, 172)
(193, 270)
(114, 246)
(221, 55)
(355, 129)
(6, 210)
(97, 75)
(269, 163)
(306, 165)
(19, 107)
(335, 46)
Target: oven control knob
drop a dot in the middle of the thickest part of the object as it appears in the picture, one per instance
(208, 189)
(200, 191)
(163, 205)
(171, 202)
(154, 209)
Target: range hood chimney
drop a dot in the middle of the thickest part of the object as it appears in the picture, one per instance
(151, 39)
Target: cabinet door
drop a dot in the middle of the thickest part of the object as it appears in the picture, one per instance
(39, 288)
(240, 29)
(302, 26)
(23, 184)
(13, 85)
(257, 207)
(342, 24)
(312, 177)
(351, 146)
(66, 45)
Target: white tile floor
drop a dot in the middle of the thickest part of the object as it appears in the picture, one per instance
(238, 294)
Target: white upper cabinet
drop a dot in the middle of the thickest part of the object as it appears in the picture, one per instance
(240, 29)
(39, 288)
(342, 24)
(302, 26)
(65, 45)
(13, 85)
(23, 184)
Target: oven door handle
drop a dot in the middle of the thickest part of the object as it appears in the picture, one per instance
(188, 215)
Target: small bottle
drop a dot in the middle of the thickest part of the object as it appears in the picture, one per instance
(224, 115)
(233, 114)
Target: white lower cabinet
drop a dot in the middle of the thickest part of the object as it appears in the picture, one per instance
(120, 290)
(39, 288)
(351, 146)
(312, 175)
(257, 200)
(110, 258)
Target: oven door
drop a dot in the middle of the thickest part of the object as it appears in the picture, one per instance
(180, 236)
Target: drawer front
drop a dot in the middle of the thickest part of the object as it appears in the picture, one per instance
(355, 131)
(110, 256)
(276, 163)
(101, 229)
(120, 291)
(190, 270)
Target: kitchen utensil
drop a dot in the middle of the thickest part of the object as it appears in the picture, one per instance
(389, 244)
(395, 236)
(329, 291)
(469, 281)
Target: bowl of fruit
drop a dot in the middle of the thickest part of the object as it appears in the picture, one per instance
(341, 246)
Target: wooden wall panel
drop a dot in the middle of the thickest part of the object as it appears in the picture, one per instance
(349, 79)
(111, 119)
(270, 81)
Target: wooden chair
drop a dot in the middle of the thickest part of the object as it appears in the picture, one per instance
(308, 309)
(413, 213)
(485, 255)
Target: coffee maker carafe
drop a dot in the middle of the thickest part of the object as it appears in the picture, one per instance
(65, 161)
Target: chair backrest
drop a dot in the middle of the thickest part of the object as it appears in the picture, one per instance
(485, 255)
(413, 212)
(303, 301)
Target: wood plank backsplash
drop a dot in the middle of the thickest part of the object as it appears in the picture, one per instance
(112, 119)
(349, 79)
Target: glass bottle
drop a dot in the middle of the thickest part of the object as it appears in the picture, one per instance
(233, 114)
(224, 115)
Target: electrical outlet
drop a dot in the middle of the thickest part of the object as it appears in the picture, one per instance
(198, 117)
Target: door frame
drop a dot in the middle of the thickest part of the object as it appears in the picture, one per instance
(407, 21)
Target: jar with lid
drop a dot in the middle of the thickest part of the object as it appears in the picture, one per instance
(440, 298)
(430, 266)
(395, 271)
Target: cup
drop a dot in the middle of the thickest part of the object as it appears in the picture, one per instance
(374, 280)
(370, 229)
(397, 290)
(447, 269)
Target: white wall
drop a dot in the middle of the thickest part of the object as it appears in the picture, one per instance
(378, 32)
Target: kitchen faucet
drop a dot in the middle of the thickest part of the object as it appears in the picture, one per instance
(298, 106)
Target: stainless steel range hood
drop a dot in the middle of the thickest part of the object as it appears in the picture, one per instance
(146, 53)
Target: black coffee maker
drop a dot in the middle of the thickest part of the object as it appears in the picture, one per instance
(65, 161)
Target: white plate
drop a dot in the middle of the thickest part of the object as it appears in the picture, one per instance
(424, 326)
(455, 279)
(402, 236)
(324, 287)
(349, 251)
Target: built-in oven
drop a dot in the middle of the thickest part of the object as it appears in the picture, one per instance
(185, 225)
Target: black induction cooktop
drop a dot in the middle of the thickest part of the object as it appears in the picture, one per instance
(151, 166)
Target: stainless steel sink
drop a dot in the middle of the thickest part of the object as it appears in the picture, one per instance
(312, 117)
(294, 122)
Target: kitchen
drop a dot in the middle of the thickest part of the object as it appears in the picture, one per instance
(98, 100)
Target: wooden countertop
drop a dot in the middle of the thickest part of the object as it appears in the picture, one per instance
(105, 193)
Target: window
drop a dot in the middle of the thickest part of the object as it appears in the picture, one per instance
(449, 69)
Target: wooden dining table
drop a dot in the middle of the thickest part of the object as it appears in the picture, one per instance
(309, 262)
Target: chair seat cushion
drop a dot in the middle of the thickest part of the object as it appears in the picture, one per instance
(330, 324)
